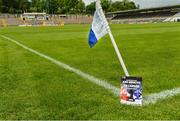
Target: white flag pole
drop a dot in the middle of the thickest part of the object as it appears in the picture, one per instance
(98, 7)
(118, 53)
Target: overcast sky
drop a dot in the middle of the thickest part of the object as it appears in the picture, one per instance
(149, 3)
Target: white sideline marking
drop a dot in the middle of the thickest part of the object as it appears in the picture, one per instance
(155, 97)
(149, 99)
(93, 79)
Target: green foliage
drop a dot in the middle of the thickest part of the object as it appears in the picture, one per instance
(38, 5)
(105, 5)
(1, 6)
(91, 8)
(61, 6)
(70, 6)
(23, 5)
(80, 7)
(109, 6)
(116, 6)
(8, 6)
(53, 6)
(15, 6)
(124, 5)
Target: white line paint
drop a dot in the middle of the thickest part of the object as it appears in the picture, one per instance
(150, 99)
(93, 79)
(155, 97)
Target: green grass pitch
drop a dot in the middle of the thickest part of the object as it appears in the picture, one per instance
(34, 88)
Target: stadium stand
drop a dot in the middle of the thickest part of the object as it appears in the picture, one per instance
(42, 19)
(154, 15)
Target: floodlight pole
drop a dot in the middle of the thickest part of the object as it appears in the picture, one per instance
(98, 6)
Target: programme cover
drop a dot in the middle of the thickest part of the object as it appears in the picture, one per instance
(131, 90)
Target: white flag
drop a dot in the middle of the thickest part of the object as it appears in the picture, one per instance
(99, 26)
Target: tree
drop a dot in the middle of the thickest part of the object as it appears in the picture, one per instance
(131, 5)
(1, 5)
(90, 9)
(124, 5)
(61, 6)
(53, 6)
(70, 5)
(23, 5)
(80, 7)
(116, 6)
(9, 6)
(38, 5)
(105, 5)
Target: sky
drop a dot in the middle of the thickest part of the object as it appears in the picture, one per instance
(149, 3)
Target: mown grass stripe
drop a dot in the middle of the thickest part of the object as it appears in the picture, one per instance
(91, 78)
(149, 99)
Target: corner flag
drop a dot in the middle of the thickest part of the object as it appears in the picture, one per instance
(98, 28)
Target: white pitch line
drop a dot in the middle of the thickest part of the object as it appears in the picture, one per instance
(155, 97)
(93, 79)
(150, 99)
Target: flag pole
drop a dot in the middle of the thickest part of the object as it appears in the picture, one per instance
(98, 6)
(118, 52)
